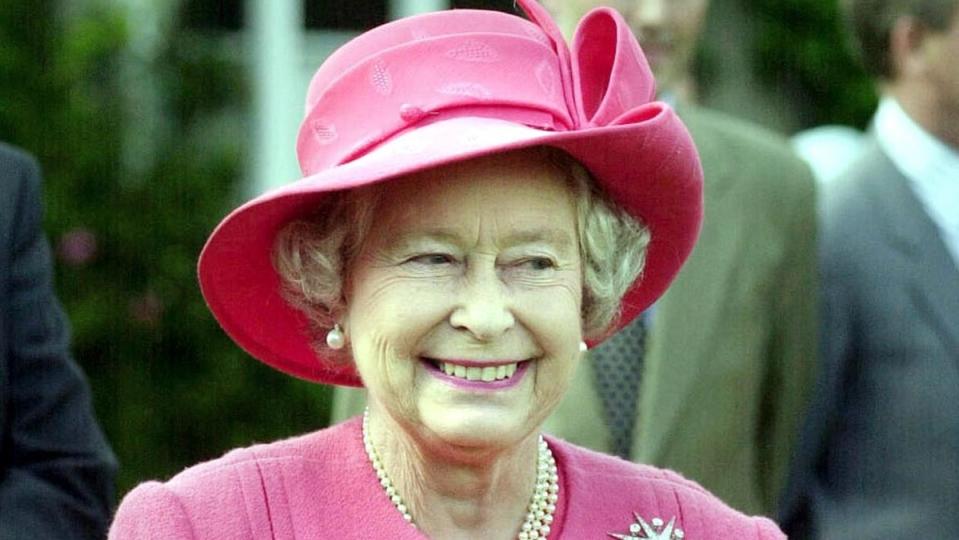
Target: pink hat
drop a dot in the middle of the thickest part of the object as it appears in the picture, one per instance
(445, 87)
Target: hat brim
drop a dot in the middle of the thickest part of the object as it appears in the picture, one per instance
(648, 166)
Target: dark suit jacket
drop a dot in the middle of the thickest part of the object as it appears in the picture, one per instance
(879, 453)
(731, 352)
(56, 469)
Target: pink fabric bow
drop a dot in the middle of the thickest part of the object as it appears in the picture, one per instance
(606, 78)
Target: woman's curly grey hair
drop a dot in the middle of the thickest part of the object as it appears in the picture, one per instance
(313, 256)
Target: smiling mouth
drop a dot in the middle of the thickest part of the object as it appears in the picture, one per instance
(477, 373)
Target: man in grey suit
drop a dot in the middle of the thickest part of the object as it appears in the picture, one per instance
(56, 470)
(879, 454)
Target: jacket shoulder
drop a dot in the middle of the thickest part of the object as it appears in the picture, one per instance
(855, 207)
(744, 145)
(17, 166)
(152, 511)
(20, 184)
(852, 196)
(738, 133)
(613, 494)
(203, 501)
(233, 496)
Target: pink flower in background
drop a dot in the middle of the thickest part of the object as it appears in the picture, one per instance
(77, 247)
(146, 309)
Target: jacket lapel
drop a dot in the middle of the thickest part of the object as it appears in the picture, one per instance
(910, 231)
(937, 288)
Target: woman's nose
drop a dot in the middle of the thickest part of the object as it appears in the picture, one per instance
(483, 308)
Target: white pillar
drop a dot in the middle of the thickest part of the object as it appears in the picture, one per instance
(405, 8)
(144, 103)
(276, 31)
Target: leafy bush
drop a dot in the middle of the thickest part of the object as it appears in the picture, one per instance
(170, 388)
(801, 47)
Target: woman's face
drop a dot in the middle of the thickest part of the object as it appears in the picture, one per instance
(464, 303)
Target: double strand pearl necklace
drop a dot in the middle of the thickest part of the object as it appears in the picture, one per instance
(539, 516)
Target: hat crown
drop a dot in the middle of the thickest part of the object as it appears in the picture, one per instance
(413, 29)
(479, 63)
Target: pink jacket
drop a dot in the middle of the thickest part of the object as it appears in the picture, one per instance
(321, 485)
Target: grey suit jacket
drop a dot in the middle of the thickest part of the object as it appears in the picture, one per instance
(879, 452)
(56, 470)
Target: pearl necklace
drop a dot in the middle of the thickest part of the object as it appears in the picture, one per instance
(539, 516)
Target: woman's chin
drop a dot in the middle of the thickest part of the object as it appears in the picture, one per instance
(477, 427)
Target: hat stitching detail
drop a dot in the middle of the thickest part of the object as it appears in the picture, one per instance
(380, 78)
(473, 50)
(467, 89)
(324, 133)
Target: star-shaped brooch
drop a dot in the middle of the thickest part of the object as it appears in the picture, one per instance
(654, 530)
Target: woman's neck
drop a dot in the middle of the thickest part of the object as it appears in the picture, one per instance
(458, 493)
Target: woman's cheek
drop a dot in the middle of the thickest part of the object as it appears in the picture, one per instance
(556, 308)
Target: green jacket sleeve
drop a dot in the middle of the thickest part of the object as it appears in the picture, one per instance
(792, 372)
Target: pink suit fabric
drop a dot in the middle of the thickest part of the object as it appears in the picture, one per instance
(321, 485)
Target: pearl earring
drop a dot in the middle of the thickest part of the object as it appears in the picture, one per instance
(335, 338)
(583, 347)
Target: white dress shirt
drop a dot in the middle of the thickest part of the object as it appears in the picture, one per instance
(930, 165)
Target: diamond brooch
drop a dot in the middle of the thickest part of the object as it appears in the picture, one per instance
(656, 529)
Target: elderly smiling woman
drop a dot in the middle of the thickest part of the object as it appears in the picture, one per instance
(479, 202)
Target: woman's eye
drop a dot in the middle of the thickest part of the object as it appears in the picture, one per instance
(539, 263)
(433, 259)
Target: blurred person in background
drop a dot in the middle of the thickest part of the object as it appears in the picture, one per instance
(717, 384)
(56, 469)
(728, 353)
(462, 231)
(828, 149)
(879, 453)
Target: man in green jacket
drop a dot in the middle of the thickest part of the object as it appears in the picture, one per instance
(729, 352)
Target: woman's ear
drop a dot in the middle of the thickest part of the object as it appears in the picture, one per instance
(905, 47)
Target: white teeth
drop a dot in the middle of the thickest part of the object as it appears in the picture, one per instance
(476, 373)
(489, 373)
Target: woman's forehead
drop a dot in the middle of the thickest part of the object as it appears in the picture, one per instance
(513, 184)
(517, 201)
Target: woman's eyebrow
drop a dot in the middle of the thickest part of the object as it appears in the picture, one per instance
(413, 238)
(556, 237)
(559, 238)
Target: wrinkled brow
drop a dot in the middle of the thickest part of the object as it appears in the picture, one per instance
(553, 236)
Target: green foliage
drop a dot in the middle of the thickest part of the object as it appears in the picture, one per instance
(800, 47)
(170, 388)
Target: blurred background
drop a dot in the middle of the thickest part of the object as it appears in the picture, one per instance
(154, 118)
